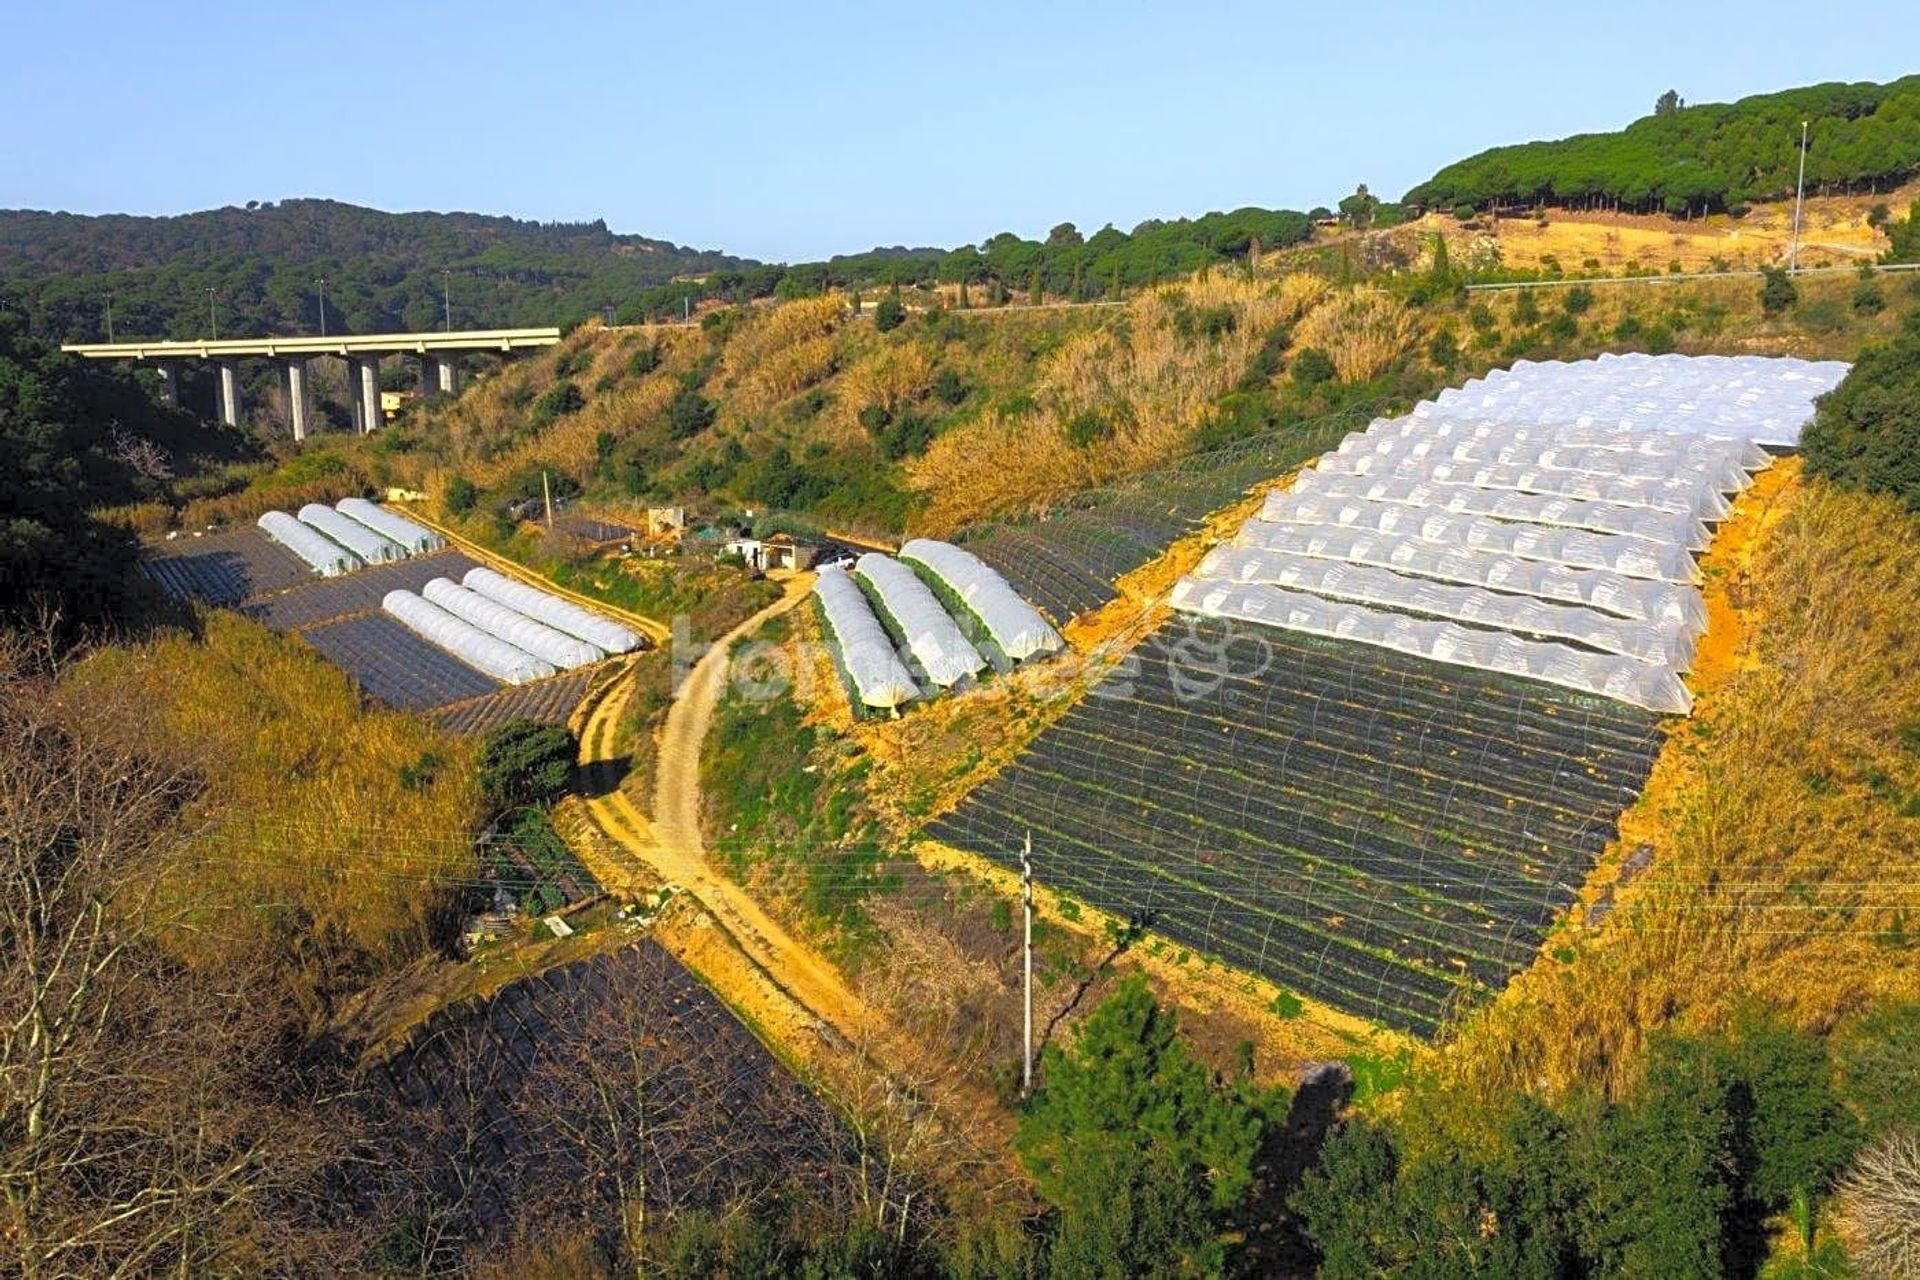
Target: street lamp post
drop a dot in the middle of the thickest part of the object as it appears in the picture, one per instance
(321, 284)
(109, 317)
(213, 317)
(446, 294)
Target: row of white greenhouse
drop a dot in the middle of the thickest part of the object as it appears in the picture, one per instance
(935, 642)
(351, 534)
(506, 629)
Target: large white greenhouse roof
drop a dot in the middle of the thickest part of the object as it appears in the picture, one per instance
(1014, 625)
(1541, 521)
(932, 636)
(1766, 399)
(516, 628)
(879, 678)
(465, 641)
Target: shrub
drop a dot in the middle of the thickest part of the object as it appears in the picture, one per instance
(890, 314)
(1311, 367)
(1577, 300)
(644, 361)
(461, 494)
(1867, 298)
(1866, 432)
(559, 400)
(1777, 291)
(1443, 350)
(689, 413)
(1481, 317)
(1526, 307)
(1089, 427)
(948, 387)
(526, 763)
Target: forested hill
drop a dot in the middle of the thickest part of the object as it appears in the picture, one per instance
(383, 270)
(392, 271)
(1705, 157)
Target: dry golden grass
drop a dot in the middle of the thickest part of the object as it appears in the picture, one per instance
(1779, 815)
(1145, 383)
(782, 351)
(1362, 332)
(570, 442)
(331, 838)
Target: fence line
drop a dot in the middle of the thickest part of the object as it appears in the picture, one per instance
(1685, 276)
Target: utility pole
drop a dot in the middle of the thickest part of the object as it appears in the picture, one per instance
(546, 491)
(446, 294)
(686, 308)
(322, 284)
(1026, 964)
(1799, 193)
(109, 317)
(213, 317)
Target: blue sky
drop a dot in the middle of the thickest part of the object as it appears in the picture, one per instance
(792, 131)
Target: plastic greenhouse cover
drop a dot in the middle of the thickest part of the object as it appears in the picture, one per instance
(1725, 473)
(1015, 625)
(1661, 644)
(326, 557)
(1764, 398)
(1688, 495)
(878, 675)
(1606, 675)
(561, 615)
(1534, 508)
(1576, 548)
(1654, 444)
(416, 538)
(1641, 599)
(935, 640)
(517, 629)
(351, 534)
(465, 641)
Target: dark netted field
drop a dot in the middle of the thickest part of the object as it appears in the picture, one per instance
(618, 1071)
(320, 600)
(1377, 831)
(224, 568)
(1066, 561)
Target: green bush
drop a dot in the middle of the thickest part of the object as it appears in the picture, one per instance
(644, 361)
(462, 494)
(559, 400)
(1577, 300)
(1867, 298)
(890, 314)
(1311, 367)
(525, 762)
(1088, 427)
(1777, 291)
(1866, 432)
(689, 413)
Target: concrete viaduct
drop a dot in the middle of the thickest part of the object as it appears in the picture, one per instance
(438, 354)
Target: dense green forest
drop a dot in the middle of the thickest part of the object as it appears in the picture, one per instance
(258, 270)
(74, 437)
(1705, 157)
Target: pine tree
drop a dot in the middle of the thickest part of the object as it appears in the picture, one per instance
(1035, 291)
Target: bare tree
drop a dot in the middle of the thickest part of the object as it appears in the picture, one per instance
(1880, 1207)
(139, 1124)
(142, 456)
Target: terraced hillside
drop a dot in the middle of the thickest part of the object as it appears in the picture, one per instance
(1377, 754)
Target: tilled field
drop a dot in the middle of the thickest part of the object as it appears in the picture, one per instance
(618, 1072)
(1376, 831)
(549, 702)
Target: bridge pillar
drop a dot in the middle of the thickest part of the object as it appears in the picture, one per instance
(299, 397)
(353, 392)
(169, 383)
(228, 397)
(366, 388)
(429, 377)
(448, 375)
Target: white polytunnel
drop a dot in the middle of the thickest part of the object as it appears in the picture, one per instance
(1663, 644)
(1576, 548)
(1723, 472)
(1653, 444)
(1013, 624)
(1639, 599)
(325, 556)
(371, 547)
(879, 678)
(1766, 399)
(516, 628)
(932, 635)
(561, 615)
(1536, 508)
(1625, 679)
(1688, 495)
(463, 640)
(416, 538)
